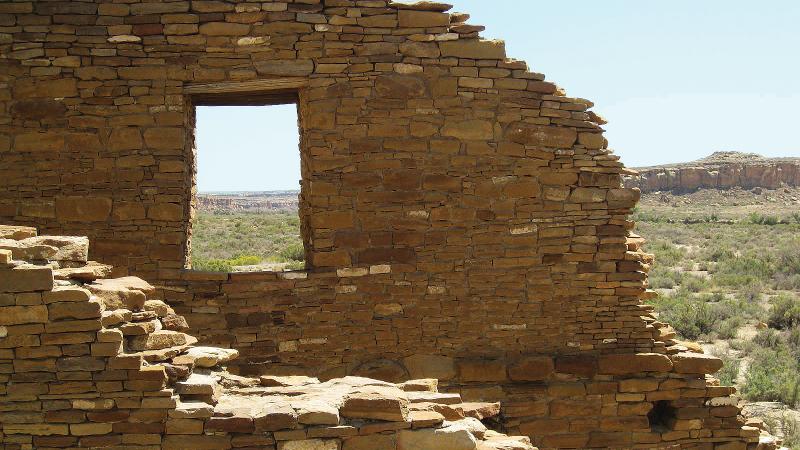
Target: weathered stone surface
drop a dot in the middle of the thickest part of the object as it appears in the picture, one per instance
(18, 315)
(118, 293)
(22, 250)
(695, 363)
(532, 369)
(160, 339)
(316, 412)
(634, 363)
(377, 403)
(310, 444)
(430, 366)
(16, 232)
(422, 19)
(275, 417)
(474, 49)
(5, 257)
(69, 248)
(400, 86)
(83, 209)
(211, 356)
(475, 130)
(26, 278)
(537, 135)
(285, 68)
(87, 273)
(453, 437)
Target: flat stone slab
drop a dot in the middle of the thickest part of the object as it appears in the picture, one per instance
(16, 232)
(434, 397)
(197, 384)
(28, 251)
(69, 248)
(159, 340)
(26, 278)
(118, 293)
(208, 357)
(90, 272)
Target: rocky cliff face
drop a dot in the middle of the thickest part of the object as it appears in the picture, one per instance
(721, 170)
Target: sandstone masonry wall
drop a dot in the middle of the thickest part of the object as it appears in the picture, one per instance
(461, 215)
(88, 362)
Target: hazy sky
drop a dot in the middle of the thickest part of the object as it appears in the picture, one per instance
(676, 80)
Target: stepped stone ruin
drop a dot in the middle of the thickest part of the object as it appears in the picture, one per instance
(720, 170)
(90, 362)
(463, 220)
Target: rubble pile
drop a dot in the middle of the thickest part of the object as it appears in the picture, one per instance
(90, 362)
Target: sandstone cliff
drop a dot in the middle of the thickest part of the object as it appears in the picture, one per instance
(721, 170)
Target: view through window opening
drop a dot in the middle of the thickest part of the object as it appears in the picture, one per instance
(248, 181)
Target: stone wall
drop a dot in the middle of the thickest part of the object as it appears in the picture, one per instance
(461, 215)
(90, 362)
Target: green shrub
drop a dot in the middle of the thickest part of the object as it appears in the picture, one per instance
(667, 254)
(729, 328)
(293, 252)
(793, 340)
(790, 429)
(768, 338)
(691, 318)
(295, 265)
(773, 376)
(665, 279)
(761, 219)
(785, 312)
(212, 265)
(744, 271)
(789, 260)
(225, 265)
(730, 370)
(694, 283)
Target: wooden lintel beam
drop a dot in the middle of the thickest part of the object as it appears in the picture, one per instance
(274, 84)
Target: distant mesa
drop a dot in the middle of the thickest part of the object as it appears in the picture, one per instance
(254, 202)
(720, 170)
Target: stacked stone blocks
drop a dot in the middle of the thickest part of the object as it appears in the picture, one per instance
(462, 216)
(90, 363)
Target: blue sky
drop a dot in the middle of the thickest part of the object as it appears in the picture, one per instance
(676, 80)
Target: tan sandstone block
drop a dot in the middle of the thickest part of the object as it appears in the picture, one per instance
(310, 444)
(26, 278)
(695, 363)
(164, 138)
(224, 29)
(83, 209)
(532, 369)
(634, 363)
(470, 130)
(474, 49)
(35, 142)
(422, 19)
(5, 256)
(165, 211)
(90, 429)
(538, 135)
(430, 366)
(18, 315)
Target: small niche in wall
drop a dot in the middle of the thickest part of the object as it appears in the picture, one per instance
(247, 185)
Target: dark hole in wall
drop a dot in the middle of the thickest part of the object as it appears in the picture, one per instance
(662, 416)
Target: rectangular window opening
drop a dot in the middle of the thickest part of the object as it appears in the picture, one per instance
(247, 157)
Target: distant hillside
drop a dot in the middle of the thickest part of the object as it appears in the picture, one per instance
(255, 202)
(721, 170)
